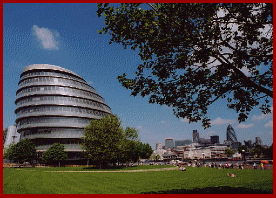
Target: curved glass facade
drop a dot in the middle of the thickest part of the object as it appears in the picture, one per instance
(53, 105)
(230, 134)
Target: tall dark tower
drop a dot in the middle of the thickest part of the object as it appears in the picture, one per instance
(53, 105)
(230, 134)
(195, 136)
(214, 139)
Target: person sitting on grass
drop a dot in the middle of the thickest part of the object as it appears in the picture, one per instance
(182, 168)
(231, 175)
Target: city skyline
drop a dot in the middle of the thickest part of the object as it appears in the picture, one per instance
(256, 140)
(66, 35)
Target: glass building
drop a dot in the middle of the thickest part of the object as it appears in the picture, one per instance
(169, 143)
(195, 136)
(53, 105)
(214, 139)
(10, 136)
(182, 142)
(231, 134)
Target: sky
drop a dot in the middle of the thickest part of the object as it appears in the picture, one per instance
(66, 35)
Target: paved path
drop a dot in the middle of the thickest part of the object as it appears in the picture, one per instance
(123, 171)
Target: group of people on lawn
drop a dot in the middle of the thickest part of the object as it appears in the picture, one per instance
(214, 165)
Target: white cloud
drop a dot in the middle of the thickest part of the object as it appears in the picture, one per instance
(245, 126)
(208, 134)
(269, 124)
(184, 120)
(220, 121)
(46, 37)
(211, 133)
(262, 116)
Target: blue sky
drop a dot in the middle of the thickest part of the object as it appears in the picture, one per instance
(73, 43)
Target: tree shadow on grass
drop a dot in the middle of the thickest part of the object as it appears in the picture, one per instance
(212, 190)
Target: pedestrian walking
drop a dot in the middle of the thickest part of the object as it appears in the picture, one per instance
(242, 165)
(255, 165)
(220, 165)
(262, 166)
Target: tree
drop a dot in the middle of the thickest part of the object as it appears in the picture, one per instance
(8, 154)
(136, 150)
(23, 151)
(103, 140)
(146, 151)
(131, 133)
(229, 152)
(195, 54)
(257, 150)
(268, 152)
(55, 154)
(157, 157)
(132, 151)
(241, 148)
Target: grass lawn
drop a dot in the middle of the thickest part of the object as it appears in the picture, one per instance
(194, 180)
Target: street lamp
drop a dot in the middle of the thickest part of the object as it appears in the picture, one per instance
(243, 154)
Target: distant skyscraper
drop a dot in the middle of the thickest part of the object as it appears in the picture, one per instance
(230, 134)
(158, 145)
(258, 141)
(195, 136)
(10, 136)
(204, 141)
(214, 139)
(182, 142)
(248, 143)
(169, 143)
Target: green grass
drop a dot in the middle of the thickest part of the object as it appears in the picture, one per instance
(194, 180)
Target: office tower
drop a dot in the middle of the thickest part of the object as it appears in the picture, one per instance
(169, 143)
(258, 141)
(195, 136)
(214, 139)
(230, 134)
(182, 142)
(158, 145)
(10, 136)
(248, 143)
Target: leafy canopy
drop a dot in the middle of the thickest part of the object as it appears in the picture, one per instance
(229, 152)
(105, 141)
(23, 151)
(54, 154)
(242, 148)
(194, 54)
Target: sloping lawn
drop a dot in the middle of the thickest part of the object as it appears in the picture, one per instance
(194, 180)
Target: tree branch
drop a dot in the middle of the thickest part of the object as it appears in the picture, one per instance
(244, 77)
